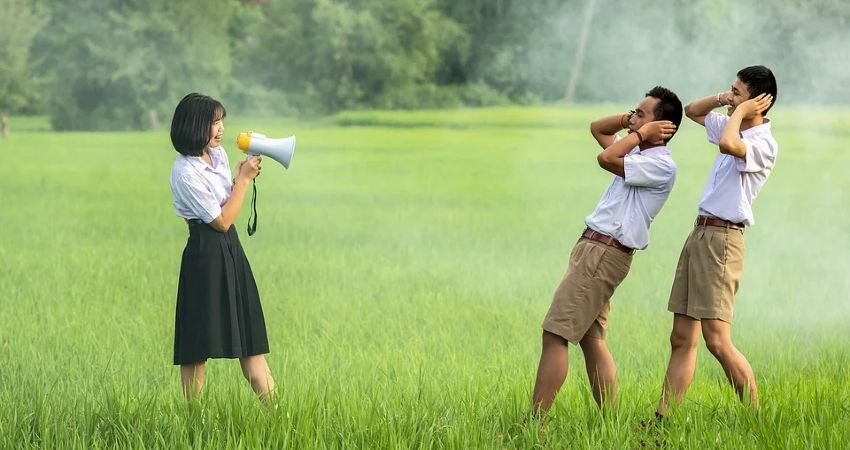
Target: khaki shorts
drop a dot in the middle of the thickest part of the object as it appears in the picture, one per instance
(582, 301)
(708, 273)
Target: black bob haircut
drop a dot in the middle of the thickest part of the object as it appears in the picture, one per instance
(669, 107)
(192, 122)
(759, 80)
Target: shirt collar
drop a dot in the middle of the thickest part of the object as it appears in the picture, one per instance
(198, 162)
(758, 129)
(661, 150)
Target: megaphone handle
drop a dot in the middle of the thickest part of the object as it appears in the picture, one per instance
(252, 228)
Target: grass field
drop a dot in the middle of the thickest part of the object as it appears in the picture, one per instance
(405, 262)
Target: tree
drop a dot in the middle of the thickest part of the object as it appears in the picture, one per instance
(516, 47)
(336, 54)
(579, 53)
(120, 64)
(123, 64)
(19, 24)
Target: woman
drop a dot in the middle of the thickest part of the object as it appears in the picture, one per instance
(218, 305)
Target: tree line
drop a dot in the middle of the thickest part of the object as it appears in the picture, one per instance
(123, 64)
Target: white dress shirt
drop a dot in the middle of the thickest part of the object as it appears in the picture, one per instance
(629, 204)
(199, 189)
(734, 182)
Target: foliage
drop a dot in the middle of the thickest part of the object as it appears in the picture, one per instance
(114, 64)
(19, 25)
(121, 64)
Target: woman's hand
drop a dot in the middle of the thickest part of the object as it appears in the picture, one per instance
(249, 168)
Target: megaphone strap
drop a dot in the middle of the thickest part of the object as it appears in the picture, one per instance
(252, 228)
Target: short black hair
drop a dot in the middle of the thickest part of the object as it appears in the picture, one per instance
(759, 80)
(669, 107)
(192, 122)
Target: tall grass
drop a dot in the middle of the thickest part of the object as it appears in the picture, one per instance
(405, 262)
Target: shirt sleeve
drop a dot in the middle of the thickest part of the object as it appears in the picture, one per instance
(714, 125)
(197, 197)
(760, 155)
(648, 171)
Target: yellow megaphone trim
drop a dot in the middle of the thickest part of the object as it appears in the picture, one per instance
(243, 141)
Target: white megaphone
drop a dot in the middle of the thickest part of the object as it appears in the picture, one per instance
(280, 150)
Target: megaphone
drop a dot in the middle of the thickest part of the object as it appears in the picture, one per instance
(280, 150)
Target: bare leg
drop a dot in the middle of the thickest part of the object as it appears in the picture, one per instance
(551, 372)
(601, 371)
(683, 358)
(257, 372)
(193, 376)
(718, 339)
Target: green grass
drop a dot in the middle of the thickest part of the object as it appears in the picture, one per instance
(405, 262)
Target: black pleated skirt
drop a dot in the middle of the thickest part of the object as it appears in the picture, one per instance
(218, 305)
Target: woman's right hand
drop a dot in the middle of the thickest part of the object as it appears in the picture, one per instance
(249, 168)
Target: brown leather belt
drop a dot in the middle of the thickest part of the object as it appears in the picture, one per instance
(607, 240)
(717, 222)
